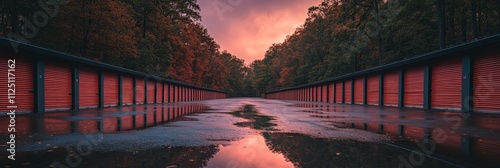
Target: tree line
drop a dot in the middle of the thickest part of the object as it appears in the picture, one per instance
(344, 36)
(166, 38)
(161, 37)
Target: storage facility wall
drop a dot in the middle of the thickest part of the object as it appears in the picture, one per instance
(486, 81)
(358, 90)
(347, 92)
(446, 84)
(110, 89)
(23, 83)
(166, 92)
(58, 85)
(414, 87)
(391, 84)
(88, 88)
(372, 92)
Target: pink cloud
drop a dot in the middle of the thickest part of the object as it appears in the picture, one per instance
(247, 28)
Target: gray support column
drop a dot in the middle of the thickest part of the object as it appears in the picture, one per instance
(467, 93)
(120, 90)
(427, 86)
(156, 92)
(75, 88)
(401, 88)
(335, 92)
(343, 92)
(146, 91)
(39, 86)
(134, 92)
(162, 94)
(101, 89)
(352, 91)
(381, 90)
(327, 92)
(365, 90)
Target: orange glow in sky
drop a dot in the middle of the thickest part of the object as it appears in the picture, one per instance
(247, 28)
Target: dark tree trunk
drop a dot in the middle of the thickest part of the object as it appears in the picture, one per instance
(144, 24)
(13, 17)
(379, 36)
(473, 14)
(442, 24)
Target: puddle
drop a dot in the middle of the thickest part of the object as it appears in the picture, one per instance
(256, 120)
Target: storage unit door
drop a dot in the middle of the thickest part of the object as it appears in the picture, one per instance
(151, 91)
(414, 87)
(358, 91)
(159, 92)
(391, 84)
(23, 83)
(347, 92)
(487, 82)
(446, 84)
(89, 88)
(166, 93)
(127, 90)
(110, 89)
(57, 86)
(372, 90)
(338, 92)
(139, 91)
(330, 92)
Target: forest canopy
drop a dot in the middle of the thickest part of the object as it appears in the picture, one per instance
(166, 37)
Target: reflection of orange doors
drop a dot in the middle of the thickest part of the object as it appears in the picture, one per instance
(358, 91)
(446, 84)
(391, 84)
(127, 90)
(89, 88)
(23, 84)
(414, 87)
(110, 89)
(372, 90)
(486, 82)
(57, 86)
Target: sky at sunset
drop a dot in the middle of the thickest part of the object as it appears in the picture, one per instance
(246, 28)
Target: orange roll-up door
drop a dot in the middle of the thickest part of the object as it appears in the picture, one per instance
(372, 90)
(110, 89)
(486, 82)
(338, 94)
(139, 91)
(89, 88)
(347, 91)
(446, 84)
(127, 90)
(391, 84)
(57, 86)
(151, 91)
(414, 87)
(358, 91)
(23, 83)
(159, 92)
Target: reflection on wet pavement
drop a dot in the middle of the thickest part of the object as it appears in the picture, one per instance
(250, 132)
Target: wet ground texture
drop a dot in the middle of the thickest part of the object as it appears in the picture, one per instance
(253, 132)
